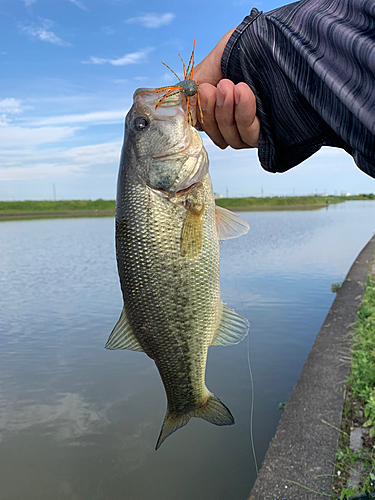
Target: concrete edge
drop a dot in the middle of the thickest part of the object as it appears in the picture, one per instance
(299, 463)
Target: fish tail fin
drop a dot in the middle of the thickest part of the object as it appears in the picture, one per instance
(213, 410)
(172, 422)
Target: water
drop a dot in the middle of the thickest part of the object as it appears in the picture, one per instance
(78, 422)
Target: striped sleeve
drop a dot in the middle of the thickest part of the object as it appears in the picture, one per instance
(311, 65)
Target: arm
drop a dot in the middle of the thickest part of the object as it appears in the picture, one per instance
(311, 66)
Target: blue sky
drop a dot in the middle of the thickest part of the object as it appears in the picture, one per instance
(68, 71)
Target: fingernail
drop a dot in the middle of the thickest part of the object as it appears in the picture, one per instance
(237, 96)
(220, 97)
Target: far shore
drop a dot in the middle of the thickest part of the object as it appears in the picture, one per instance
(67, 214)
(41, 209)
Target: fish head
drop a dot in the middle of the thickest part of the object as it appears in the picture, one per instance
(169, 152)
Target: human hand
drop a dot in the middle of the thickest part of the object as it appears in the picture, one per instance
(229, 110)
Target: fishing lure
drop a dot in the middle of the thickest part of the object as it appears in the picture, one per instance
(188, 86)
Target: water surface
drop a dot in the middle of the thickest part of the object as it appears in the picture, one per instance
(78, 422)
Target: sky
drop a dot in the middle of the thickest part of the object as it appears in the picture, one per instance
(68, 71)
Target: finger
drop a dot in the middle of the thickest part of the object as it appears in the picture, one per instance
(248, 124)
(207, 97)
(225, 115)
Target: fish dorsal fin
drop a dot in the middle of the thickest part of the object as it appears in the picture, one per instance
(122, 336)
(232, 327)
(192, 233)
(229, 225)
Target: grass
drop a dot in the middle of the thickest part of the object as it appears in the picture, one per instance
(359, 407)
(31, 206)
(335, 287)
(286, 201)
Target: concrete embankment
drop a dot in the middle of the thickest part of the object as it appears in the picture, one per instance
(299, 464)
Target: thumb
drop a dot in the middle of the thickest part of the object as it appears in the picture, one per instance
(209, 70)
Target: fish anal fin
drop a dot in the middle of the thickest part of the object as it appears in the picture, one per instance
(229, 225)
(192, 233)
(212, 410)
(232, 327)
(122, 336)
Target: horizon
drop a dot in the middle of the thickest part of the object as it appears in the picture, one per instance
(69, 71)
(216, 196)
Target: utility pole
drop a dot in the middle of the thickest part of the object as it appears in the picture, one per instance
(54, 192)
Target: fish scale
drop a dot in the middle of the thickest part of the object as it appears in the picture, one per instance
(179, 295)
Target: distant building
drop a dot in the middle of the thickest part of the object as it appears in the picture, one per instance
(218, 195)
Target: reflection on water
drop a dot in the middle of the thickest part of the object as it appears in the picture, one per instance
(79, 422)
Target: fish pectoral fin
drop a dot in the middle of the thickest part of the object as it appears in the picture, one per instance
(122, 336)
(212, 410)
(232, 327)
(229, 225)
(192, 233)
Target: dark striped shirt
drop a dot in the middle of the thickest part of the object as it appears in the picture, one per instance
(311, 65)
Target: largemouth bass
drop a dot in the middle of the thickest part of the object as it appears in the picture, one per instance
(167, 246)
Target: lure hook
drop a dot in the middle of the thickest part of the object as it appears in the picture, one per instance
(188, 86)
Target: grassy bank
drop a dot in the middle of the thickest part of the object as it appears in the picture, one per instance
(55, 206)
(355, 468)
(79, 208)
(285, 202)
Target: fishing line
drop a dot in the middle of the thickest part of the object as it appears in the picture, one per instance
(252, 405)
(252, 387)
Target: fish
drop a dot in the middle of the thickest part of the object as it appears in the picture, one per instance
(167, 249)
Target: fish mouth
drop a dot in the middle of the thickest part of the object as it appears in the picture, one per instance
(170, 195)
(186, 190)
(170, 106)
(172, 155)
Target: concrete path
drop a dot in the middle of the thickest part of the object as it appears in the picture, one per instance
(299, 463)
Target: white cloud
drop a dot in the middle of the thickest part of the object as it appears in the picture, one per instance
(108, 30)
(22, 137)
(43, 32)
(152, 20)
(96, 154)
(96, 117)
(79, 4)
(132, 58)
(11, 106)
(8, 107)
(36, 172)
(51, 162)
(28, 2)
(74, 415)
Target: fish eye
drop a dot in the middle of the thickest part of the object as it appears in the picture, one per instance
(140, 123)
